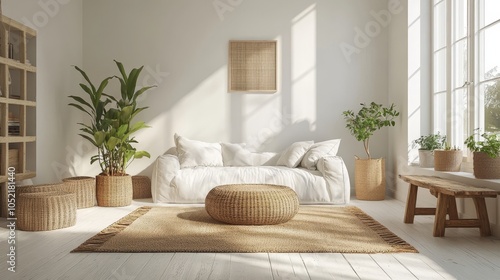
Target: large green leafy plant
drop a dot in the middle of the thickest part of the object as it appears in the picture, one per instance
(112, 123)
(490, 145)
(368, 120)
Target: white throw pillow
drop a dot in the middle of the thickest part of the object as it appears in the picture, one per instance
(194, 153)
(265, 159)
(238, 155)
(292, 156)
(235, 155)
(318, 151)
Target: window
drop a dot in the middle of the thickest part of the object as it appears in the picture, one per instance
(466, 67)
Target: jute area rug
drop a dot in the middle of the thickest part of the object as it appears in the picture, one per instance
(313, 229)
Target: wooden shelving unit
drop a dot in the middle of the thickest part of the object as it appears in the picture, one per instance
(17, 103)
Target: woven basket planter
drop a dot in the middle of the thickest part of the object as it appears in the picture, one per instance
(141, 187)
(425, 158)
(486, 167)
(41, 211)
(369, 179)
(84, 187)
(252, 204)
(449, 161)
(113, 191)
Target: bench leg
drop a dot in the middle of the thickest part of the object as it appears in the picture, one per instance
(452, 208)
(482, 216)
(411, 204)
(440, 219)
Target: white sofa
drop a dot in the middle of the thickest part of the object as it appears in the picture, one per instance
(184, 176)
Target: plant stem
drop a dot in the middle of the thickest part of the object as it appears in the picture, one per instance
(366, 143)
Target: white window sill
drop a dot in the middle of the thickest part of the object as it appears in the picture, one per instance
(464, 177)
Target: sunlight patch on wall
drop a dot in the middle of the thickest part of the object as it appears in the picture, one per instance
(303, 59)
(414, 76)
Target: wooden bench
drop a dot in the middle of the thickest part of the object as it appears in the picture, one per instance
(446, 192)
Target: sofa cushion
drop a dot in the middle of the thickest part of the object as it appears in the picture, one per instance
(293, 155)
(235, 155)
(238, 155)
(319, 150)
(194, 153)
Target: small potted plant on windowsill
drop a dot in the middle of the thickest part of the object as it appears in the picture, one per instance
(427, 144)
(448, 159)
(486, 160)
(369, 173)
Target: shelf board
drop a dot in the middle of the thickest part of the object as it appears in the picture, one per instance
(16, 64)
(16, 101)
(19, 26)
(19, 176)
(17, 139)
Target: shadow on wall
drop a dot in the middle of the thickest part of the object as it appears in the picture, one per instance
(316, 81)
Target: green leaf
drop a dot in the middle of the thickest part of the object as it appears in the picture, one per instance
(141, 91)
(122, 70)
(85, 77)
(141, 154)
(120, 133)
(100, 137)
(81, 101)
(126, 114)
(112, 142)
(132, 83)
(137, 126)
(80, 108)
(90, 139)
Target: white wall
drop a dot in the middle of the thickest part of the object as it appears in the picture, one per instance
(398, 88)
(59, 45)
(183, 46)
(188, 40)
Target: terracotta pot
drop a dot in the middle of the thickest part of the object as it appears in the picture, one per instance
(369, 179)
(486, 167)
(114, 191)
(450, 160)
(426, 158)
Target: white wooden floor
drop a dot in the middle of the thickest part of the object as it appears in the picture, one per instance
(462, 254)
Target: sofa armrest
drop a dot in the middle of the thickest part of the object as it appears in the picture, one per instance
(164, 170)
(335, 173)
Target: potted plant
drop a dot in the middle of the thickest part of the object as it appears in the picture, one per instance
(369, 173)
(486, 160)
(448, 159)
(110, 130)
(427, 144)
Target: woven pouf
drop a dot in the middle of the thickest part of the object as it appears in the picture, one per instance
(40, 211)
(141, 187)
(84, 187)
(252, 204)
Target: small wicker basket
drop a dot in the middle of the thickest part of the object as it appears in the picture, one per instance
(450, 161)
(84, 187)
(113, 191)
(486, 167)
(141, 187)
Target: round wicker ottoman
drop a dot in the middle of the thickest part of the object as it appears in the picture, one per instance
(252, 204)
(84, 187)
(141, 187)
(42, 211)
